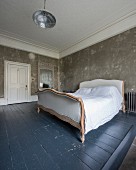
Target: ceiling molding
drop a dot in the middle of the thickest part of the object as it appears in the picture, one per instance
(28, 40)
(20, 44)
(14, 41)
(125, 23)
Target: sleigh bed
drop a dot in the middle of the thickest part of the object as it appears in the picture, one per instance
(93, 104)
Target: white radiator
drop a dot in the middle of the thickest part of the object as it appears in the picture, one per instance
(131, 101)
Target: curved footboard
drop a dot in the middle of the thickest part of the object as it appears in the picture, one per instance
(65, 106)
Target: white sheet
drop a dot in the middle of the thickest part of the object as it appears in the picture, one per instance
(101, 105)
(83, 91)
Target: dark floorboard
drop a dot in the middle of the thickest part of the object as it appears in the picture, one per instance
(32, 141)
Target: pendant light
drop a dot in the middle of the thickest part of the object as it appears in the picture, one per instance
(43, 18)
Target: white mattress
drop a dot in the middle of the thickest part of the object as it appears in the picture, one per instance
(101, 104)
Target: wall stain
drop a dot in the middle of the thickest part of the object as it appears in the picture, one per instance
(114, 58)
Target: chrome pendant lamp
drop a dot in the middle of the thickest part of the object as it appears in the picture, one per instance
(43, 18)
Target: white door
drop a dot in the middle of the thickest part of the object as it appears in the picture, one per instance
(17, 83)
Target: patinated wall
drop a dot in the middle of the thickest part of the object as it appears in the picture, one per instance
(114, 58)
(11, 54)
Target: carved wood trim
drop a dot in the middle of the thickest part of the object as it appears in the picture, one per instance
(82, 121)
(61, 93)
(123, 104)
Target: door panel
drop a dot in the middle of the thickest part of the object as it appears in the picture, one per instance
(12, 84)
(13, 75)
(13, 93)
(23, 84)
(22, 94)
(17, 83)
(22, 75)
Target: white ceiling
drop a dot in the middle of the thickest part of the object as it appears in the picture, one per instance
(76, 20)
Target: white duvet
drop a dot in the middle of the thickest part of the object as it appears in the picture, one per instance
(101, 104)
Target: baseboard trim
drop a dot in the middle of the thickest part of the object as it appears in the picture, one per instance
(32, 98)
(3, 101)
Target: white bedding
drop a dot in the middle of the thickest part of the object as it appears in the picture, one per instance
(101, 105)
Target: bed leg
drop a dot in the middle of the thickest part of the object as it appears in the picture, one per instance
(82, 135)
(38, 109)
(123, 108)
(82, 130)
(82, 138)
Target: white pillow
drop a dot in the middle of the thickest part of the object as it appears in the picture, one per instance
(84, 91)
(102, 90)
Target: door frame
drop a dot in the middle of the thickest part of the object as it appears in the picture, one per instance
(6, 63)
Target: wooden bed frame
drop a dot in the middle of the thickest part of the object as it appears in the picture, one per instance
(81, 125)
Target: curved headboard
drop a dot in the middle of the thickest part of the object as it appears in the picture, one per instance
(101, 82)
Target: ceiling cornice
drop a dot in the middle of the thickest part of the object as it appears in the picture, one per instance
(124, 23)
(9, 40)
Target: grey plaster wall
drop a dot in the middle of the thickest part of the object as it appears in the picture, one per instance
(114, 58)
(11, 54)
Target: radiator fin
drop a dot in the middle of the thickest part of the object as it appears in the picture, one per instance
(131, 102)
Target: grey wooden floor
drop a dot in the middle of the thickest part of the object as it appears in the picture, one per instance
(32, 141)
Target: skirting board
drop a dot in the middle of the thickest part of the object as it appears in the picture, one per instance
(32, 98)
(3, 101)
